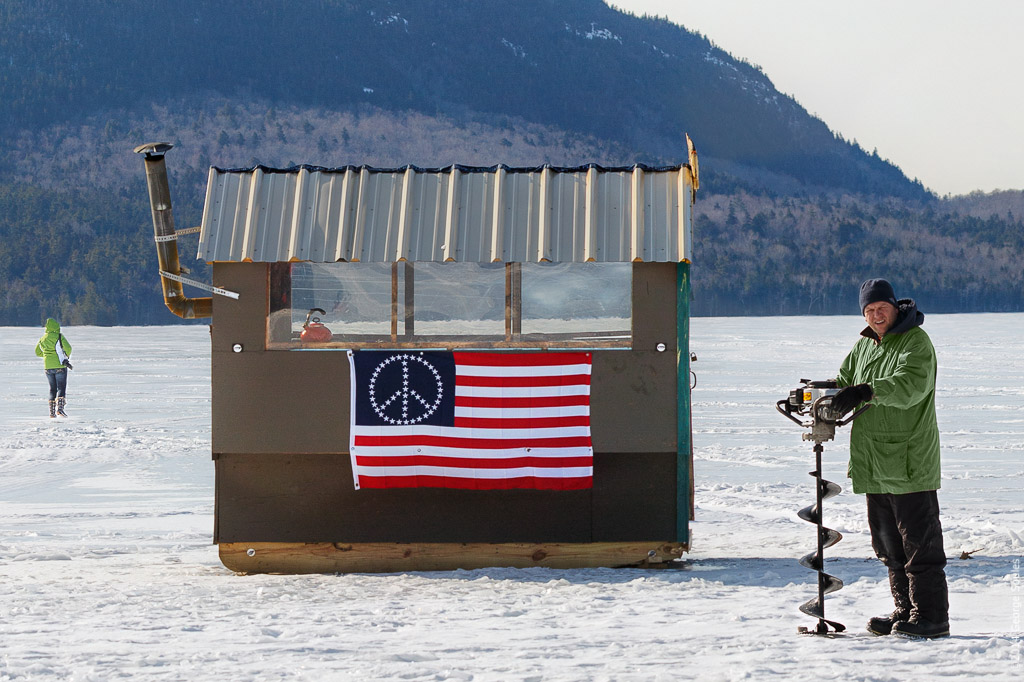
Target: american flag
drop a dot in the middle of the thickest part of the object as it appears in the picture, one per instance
(474, 420)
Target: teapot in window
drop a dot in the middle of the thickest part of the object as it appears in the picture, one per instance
(314, 331)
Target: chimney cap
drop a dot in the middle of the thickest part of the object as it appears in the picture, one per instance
(154, 148)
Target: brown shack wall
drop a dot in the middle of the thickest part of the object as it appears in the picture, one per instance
(280, 441)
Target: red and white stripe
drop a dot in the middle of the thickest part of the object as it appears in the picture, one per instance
(522, 420)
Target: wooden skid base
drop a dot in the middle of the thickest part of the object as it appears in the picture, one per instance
(389, 557)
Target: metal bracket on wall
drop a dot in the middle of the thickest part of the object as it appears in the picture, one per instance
(177, 233)
(199, 285)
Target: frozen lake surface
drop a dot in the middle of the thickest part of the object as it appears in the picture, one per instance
(107, 570)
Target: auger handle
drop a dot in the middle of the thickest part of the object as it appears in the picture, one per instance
(844, 422)
(786, 414)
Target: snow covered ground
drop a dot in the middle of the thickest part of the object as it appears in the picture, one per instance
(107, 571)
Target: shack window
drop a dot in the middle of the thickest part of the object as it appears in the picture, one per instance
(518, 305)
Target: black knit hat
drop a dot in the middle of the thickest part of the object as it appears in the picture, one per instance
(873, 290)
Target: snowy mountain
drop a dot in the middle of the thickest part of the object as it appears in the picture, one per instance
(572, 65)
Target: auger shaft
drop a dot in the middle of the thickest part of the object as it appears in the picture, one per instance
(826, 538)
(818, 449)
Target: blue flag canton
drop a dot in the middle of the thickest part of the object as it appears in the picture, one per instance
(404, 388)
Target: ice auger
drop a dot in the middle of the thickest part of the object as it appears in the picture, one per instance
(814, 400)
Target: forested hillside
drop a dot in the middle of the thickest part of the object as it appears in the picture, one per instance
(786, 256)
(570, 64)
(790, 217)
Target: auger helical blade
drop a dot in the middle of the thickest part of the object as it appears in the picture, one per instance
(812, 608)
(832, 583)
(829, 489)
(809, 514)
(823, 628)
(811, 561)
(838, 627)
(829, 537)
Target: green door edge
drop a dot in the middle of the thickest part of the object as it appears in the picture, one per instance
(684, 424)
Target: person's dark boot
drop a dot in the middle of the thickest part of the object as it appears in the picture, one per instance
(60, 407)
(53, 413)
(919, 628)
(882, 625)
(899, 586)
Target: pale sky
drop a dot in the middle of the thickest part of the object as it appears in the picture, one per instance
(934, 85)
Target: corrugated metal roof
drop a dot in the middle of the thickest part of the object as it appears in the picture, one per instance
(457, 213)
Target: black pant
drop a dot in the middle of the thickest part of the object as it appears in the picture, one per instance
(907, 536)
(58, 379)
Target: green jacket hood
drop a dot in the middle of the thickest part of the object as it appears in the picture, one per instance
(46, 348)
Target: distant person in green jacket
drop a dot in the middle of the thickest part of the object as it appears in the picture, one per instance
(894, 458)
(55, 350)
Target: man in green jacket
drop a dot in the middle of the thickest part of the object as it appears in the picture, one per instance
(55, 367)
(894, 457)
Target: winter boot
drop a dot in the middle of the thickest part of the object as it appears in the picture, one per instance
(919, 628)
(882, 625)
(899, 585)
(60, 407)
(53, 413)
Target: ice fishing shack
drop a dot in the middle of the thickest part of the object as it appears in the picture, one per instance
(430, 369)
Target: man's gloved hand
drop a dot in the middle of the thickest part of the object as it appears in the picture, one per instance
(851, 396)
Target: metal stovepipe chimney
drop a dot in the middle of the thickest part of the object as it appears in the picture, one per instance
(166, 240)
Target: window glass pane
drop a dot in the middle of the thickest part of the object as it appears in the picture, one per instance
(577, 300)
(530, 305)
(459, 299)
(355, 298)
